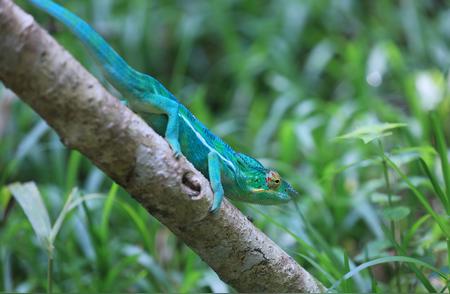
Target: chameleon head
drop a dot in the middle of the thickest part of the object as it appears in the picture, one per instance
(261, 185)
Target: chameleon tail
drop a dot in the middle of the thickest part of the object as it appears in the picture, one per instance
(117, 71)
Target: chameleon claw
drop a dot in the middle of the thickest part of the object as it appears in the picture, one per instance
(176, 148)
(215, 207)
(214, 210)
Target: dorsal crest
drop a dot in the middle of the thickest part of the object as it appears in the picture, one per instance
(248, 162)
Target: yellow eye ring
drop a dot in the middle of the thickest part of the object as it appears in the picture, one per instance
(273, 180)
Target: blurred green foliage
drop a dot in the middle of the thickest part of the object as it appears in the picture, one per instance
(279, 80)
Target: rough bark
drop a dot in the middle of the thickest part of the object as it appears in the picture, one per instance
(87, 118)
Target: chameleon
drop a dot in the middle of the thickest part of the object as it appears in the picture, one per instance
(232, 174)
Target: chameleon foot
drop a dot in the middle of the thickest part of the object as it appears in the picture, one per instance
(214, 210)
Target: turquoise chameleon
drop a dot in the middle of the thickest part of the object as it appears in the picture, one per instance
(236, 175)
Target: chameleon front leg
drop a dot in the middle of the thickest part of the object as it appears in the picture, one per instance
(170, 108)
(214, 168)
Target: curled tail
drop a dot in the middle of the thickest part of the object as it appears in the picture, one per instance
(118, 72)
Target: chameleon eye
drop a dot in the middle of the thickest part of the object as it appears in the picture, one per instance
(273, 179)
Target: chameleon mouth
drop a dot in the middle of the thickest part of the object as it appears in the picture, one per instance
(258, 191)
(272, 197)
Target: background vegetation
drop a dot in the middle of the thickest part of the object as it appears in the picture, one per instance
(279, 80)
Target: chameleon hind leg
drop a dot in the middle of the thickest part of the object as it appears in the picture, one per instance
(214, 168)
(169, 107)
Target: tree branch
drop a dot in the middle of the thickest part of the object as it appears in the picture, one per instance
(89, 119)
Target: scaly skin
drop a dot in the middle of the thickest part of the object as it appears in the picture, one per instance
(236, 175)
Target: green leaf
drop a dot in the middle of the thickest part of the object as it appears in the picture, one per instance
(427, 152)
(396, 213)
(370, 133)
(29, 198)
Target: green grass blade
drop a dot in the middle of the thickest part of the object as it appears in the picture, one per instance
(425, 282)
(85, 198)
(442, 150)
(158, 276)
(409, 235)
(311, 250)
(435, 184)
(68, 207)
(29, 198)
(318, 239)
(305, 245)
(419, 197)
(107, 208)
(117, 270)
(140, 224)
(387, 259)
(72, 170)
(31, 139)
(25, 147)
(317, 266)
(190, 280)
(58, 223)
(7, 272)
